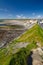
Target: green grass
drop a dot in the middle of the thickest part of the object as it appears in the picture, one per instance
(32, 36)
(20, 58)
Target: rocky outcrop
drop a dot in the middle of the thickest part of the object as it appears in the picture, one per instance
(37, 56)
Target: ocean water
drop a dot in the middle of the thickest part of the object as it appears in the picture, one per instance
(2, 24)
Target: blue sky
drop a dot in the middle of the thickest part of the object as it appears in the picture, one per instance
(21, 8)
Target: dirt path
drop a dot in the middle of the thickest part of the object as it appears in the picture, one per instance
(18, 46)
(37, 59)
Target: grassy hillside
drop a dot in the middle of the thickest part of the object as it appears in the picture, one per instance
(32, 36)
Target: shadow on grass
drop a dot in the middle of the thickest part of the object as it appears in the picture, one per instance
(29, 59)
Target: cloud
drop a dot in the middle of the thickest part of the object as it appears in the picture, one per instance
(5, 10)
(20, 16)
(33, 17)
(36, 16)
(33, 13)
(39, 16)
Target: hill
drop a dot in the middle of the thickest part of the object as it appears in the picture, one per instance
(34, 34)
(32, 37)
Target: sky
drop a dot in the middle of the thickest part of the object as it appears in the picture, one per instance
(21, 9)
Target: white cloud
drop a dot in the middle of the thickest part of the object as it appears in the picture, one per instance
(33, 13)
(39, 16)
(20, 16)
(33, 17)
(36, 16)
